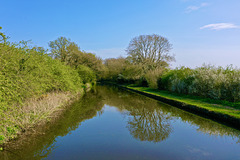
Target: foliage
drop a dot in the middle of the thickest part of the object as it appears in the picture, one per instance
(62, 48)
(207, 81)
(115, 67)
(87, 59)
(3, 37)
(152, 77)
(148, 57)
(121, 70)
(151, 51)
(86, 74)
(25, 73)
(70, 53)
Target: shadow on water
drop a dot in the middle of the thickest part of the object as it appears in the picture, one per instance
(147, 120)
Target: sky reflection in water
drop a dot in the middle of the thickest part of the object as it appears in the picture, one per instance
(115, 124)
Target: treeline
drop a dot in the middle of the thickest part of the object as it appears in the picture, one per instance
(148, 57)
(147, 64)
(30, 71)
(33, 72)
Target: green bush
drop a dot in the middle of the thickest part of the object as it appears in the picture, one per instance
(86, 74)
(152, 77)
(28, 72)
(206, 81)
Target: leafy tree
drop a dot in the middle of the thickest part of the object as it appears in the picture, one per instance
(115, 67)
(121, 68)
(150, 51)
(70, 53)
(62, 48)
(86, 74)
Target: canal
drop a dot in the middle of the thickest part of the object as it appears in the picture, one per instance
(111, 123)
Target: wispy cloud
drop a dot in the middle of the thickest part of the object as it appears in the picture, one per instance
(220, 26)
(194, 8)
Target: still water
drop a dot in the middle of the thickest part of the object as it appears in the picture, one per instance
(111, 123)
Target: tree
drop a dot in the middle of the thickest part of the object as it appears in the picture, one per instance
(150, 51)
(87, 59)
(62, 48)
(121, 68)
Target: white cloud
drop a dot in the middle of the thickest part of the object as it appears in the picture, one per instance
(219, 26)
(194, 8)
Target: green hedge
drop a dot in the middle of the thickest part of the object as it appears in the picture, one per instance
(206, 81)
(86, 74)
(28, 72)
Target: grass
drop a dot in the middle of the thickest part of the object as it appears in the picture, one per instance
(228, 108)
(33, 112)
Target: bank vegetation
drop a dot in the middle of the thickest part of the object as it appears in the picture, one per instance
(147, 65)
(35, 83)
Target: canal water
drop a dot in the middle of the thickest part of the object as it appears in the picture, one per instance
(111, 123)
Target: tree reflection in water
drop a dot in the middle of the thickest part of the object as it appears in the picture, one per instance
(149, 125)
(148, 120)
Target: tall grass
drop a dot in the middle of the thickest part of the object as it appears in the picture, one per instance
(207, 81)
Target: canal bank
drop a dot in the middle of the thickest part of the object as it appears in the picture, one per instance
(221, 114)
(36, 112)
(114, 123)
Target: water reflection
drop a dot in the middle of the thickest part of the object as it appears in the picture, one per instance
(148, 116)
(40, 142)
(149, 125)
(147, 120)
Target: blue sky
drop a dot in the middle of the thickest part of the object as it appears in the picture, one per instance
(201, 31)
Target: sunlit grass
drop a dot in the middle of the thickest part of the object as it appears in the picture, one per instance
(232, 109)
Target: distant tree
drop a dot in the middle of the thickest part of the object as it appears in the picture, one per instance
(62, 48)
(150, 51)
(115, 67)
(70, 53)
(87, 59)
(122, 68)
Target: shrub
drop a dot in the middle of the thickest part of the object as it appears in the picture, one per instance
(152, 77)
(27, 73)
(206, 81)
(86, 74)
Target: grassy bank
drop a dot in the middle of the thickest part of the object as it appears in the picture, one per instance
(216, 106)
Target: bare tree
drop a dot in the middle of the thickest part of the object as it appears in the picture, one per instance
(151, 51)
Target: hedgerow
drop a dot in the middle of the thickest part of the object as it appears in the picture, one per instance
(207, 81)
(26, 73)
